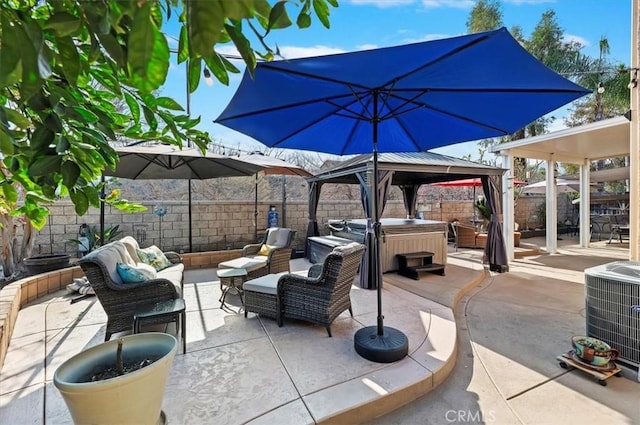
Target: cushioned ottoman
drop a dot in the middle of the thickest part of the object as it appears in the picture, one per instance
(255, 266)
(261, 296)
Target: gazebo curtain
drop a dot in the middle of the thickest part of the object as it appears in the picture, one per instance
(312, 225)
(410, 197)
(384, 186)
(495, 253)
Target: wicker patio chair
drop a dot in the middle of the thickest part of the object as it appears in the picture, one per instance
(119, 300)
(467, 236)
(324, 294)
(280, 240)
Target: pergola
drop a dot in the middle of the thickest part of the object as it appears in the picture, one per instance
(608, 138)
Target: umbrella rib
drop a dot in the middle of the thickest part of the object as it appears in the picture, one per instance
(312, 76)
(285, 107)
(150, 159)
(441, 58)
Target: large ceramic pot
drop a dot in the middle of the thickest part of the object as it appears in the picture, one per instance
(133, 398)
(45, 263)
(593, 351)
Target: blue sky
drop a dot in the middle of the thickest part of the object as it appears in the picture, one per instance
(363, 24)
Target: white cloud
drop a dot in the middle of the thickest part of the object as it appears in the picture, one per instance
(457, 4)
(426, 37)
(292, 52)
(568, 38)
(519, 2)
(367, 46)
(381, 3)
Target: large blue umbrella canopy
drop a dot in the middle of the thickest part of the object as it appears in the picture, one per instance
(427, 95)
(406, 98)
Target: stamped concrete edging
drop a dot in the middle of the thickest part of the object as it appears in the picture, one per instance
(426, 370)
(26, 290)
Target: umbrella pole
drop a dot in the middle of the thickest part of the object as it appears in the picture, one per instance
(255, 213)
(284, 201)
(379, 343)
(190, 221)
(102, 194)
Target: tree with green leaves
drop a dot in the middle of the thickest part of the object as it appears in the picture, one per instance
(486, 15)
(548, 44)
(64, 64)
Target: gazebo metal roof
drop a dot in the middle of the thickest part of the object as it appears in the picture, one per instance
(409, 168)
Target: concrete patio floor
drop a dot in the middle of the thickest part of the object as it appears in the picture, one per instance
(502, 330)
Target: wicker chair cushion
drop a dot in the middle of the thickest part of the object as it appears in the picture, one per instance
(267, 284)
(265, 249)
(249, 263)
(154, 257)
(131, 244)
(110, 257)
(136, 274)
(278, 237)
(175, 274)
(123, 253)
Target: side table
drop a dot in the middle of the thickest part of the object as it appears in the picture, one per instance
(231, 279)
(163, 312)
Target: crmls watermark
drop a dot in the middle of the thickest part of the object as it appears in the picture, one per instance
(469, 416)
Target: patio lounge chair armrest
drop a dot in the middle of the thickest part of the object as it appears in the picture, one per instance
(279, 260)
(158, 286)
(300, 283)
(251, 249)
(174, 257)
(315, 270)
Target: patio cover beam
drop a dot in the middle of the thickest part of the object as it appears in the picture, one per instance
(634, 136)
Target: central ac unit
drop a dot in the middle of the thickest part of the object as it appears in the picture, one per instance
(613, 307)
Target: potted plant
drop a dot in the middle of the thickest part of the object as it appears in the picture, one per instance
(90, 239)
(140, 363)
(484, 210)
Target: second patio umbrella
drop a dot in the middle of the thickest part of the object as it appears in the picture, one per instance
(562, 186)
(476, 182)
(170, 162)
(406, 98)
(272, 166)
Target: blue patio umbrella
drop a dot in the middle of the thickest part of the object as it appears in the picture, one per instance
(406, 98)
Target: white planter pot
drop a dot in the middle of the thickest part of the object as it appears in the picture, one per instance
(133, 398)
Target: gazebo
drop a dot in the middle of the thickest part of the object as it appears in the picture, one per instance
(407, 170)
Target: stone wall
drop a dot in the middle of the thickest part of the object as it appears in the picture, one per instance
(219, 225)
(216, 225)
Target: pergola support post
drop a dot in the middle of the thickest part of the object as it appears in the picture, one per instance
(585, 204)
(552, 207)
(508, 201)
(634, 133)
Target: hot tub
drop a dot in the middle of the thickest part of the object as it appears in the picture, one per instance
(399, 236)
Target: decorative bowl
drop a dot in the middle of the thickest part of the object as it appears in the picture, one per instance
(593, 351)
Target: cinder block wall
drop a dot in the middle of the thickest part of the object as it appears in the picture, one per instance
(219, 225)
(216, 225)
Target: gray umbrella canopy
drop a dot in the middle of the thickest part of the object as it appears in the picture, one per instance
(169, 162)
(273, 166)
(562, 186)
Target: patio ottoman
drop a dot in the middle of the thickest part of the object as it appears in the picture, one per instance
(261, 296)
(255, 267)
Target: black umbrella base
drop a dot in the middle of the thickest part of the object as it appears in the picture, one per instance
(389, 347)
